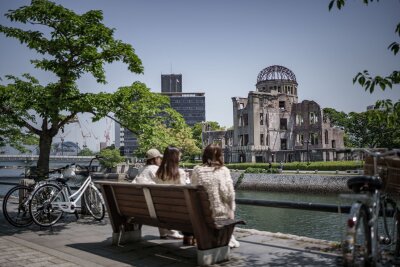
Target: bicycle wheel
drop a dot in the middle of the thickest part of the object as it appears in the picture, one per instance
(42, 208)
(16, 206)
(357, 242)
(94, 202)
(390, 228)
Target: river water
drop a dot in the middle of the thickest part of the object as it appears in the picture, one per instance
(314, 224)
(321, 225)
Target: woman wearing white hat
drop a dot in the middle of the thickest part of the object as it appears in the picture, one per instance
(148, 173)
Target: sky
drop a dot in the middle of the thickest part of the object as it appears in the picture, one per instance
(220, 46)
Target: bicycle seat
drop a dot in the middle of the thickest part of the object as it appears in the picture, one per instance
(364, 184)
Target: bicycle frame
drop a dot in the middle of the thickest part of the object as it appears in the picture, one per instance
(71, 205)
(375, 203)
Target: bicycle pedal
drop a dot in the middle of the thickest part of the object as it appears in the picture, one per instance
(384, 240)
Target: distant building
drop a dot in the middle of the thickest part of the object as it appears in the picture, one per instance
(271, 126)
(192, 107)
(171, 83)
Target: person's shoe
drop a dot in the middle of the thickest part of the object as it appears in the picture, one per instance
(175, 235)
(233, 243)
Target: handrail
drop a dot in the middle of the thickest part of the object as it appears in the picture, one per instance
(295, 205)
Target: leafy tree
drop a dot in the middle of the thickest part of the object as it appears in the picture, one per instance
(197, 129)
(150, 117)
(71, 45)
(86, 152)
(12, 135)
(110, 158)
(373, 128)
(364, 78)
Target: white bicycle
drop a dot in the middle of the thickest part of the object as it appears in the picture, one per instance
(50, 201)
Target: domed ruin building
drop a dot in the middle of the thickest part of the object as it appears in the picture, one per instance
(271, 126)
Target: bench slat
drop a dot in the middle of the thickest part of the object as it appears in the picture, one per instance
(170, 208)
(167, 193)
(171, 201)
(131, 198)
(166, 216)
(130, 203)
(128, 190)
(130, 211)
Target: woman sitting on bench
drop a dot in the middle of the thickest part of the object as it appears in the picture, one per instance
(217, 181)
(170, 173)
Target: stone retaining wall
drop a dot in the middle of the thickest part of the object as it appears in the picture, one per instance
(294, 183)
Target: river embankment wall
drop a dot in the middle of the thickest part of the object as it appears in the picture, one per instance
(304, 183)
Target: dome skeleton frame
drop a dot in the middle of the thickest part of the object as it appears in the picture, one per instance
(276, 72)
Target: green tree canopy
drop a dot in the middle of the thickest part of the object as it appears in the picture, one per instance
(372, 128)
(86, 152)
(71, 45)
(110, 157)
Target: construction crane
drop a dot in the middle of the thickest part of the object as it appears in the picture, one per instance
(107, 131)
(84, 136)
(62, 137)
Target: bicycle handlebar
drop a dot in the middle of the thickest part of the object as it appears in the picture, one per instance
(62, 168)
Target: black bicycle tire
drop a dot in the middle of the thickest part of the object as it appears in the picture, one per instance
(349, 244)
(6, 210)
(87, 203)
(33, 201)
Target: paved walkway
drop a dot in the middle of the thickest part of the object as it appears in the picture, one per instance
(85, 242)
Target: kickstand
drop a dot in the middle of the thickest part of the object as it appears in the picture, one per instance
(76, 214)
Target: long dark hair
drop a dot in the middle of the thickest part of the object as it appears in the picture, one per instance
(169, 168)
(212, 156)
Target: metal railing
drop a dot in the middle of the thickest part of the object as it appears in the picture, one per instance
(295, 205)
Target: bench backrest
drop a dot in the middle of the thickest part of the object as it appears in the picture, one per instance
(168, 206)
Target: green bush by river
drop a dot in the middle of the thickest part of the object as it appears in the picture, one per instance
(317, 165)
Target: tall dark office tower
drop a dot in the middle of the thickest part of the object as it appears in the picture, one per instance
(171, 83)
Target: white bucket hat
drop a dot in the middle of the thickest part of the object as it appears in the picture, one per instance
(153, 153)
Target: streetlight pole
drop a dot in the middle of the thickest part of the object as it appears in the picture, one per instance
(308, 152)
(62, 146)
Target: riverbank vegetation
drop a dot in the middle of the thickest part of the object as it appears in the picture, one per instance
(317, 165)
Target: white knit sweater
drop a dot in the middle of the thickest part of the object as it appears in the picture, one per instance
(219, 186)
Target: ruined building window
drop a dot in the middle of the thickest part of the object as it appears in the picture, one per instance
(261, 119)
(326, 137)
(246, 139)
(313, 139)
(333, 144)
(313, 118)
(261, 139)
(283, 124)
(245, 119)
(282, 104)
(283, 144)
(241, 140)
(241, 106)
(266, 121)
(240, 121)
(267, 140)
(300, 139)
(299, 119)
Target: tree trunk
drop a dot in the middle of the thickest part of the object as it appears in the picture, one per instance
(44, 156)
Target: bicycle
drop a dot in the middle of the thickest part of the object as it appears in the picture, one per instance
(50, 201)
(16, 201)
(373, 226)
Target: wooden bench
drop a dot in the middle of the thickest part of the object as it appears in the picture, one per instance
(180, 207)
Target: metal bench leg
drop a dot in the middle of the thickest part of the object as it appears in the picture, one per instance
(212, 256)
(123, 236)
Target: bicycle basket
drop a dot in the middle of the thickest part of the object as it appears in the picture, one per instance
(388, 170)
(69, 172)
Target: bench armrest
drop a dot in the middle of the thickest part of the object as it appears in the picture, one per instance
(221, 223)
